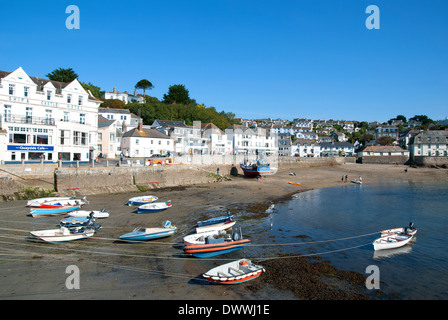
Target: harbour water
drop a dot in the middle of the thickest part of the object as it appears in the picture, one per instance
(350, 217)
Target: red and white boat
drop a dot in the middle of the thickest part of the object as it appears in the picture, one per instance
(234, 272)
(63, 203)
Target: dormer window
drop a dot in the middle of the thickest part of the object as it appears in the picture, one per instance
(69, 98)
(48, 94)
(12, 88)
(80, 100)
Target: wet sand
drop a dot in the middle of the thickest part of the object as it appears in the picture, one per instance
(158, 270)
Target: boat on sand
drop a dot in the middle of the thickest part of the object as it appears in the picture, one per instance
(234, 272)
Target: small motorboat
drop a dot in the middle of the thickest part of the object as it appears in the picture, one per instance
(63, 203)
(99, 214)
(143, 234)
(410, 230)
(213, 247)
(37, 202)
(154, 207)
(199, 238)
(38, 212)
(79, 222)
(391, 241)
(216, 220)
(141, 200)
(64, 234)
(356, 181)
(234, 272)
(216, 227)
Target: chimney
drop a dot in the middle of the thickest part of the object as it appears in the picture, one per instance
(139, 126)
(135, 92)
(115, 89)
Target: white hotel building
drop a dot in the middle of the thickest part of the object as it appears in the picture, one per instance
(44, 119)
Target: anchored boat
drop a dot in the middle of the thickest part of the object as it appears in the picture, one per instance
(64, 234)
(213, 247)
(234, 272)
(154, 207)
(86, 213)
(143, 234)
(52, 212)
(141, 200)
(391, 241)
(410, 230)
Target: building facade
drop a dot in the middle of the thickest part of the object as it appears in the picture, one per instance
(46, 120)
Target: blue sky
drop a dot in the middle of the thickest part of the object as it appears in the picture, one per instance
(279, 59)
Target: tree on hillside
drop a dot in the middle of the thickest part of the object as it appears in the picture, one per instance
(96, 91)
(113, 103)
(177, 94)
(144, 85)
(385, 141)
(62, 75)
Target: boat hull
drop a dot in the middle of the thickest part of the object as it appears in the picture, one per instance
(86, 213)
(216, 227)
(52, 212)
(391, 242)
(153, 207)
(214, 249)
(155, 233)
(39, 201)
(234, 272)
(255, 171)
(55, 236)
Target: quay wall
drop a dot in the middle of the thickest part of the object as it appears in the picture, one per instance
(132, 178)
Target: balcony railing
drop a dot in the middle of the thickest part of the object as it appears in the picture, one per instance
(12, 118)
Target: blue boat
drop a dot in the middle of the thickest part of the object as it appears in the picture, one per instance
(143, 234)
(53, 212)
(216, 220)
(78, 221)
(257, 169)
(214, 247)
(154, 207)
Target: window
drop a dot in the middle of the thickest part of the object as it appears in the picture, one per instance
(64, 137)
(136, 141)
(12, 89)
(69, 98)
(7, 113)
(66, 116)
(26, 91)
(80, 100)
(13, 156)
(82, 118)
(29, 115)
(41, 139)
(79, 138)
(48, 94)
(100, 136)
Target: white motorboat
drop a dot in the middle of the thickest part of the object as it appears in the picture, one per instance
(87, 213)
(410, 230)
(37, 202)
(64, 234)
(391, 241)
(234, 272)
(199, 238)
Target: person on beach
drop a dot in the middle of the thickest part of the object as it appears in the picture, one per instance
(342, 179)
(346, 177)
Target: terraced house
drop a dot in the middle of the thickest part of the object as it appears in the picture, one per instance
(430, 147)
(46, 120)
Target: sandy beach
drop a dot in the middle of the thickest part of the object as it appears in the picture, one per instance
(158, 270)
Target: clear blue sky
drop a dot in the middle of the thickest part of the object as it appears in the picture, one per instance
(279, 59)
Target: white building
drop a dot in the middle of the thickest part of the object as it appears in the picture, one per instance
(142, 142)
(109, 138)
(46, 119)
(336, 149)
(124, 96)
(125, 119)
(252, 141)
(432, 143)
(217, 139)
(305, 148)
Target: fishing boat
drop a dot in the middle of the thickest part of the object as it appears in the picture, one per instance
(234, 272)
(99, 214)
(213, 247)
(141, 200)
(391, 241)
(38, 212)
(154, 207)
(63, 203)
(215, 227)
(410, 230)
(199, 238)
(64, 234)
(37, 202)
(256, 169)
(143, 234)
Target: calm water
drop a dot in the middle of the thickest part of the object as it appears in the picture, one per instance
(416, 271)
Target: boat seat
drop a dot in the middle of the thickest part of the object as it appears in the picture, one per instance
(221, 274)
(235, 270)
(210, 240)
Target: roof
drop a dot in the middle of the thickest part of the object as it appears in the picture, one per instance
(336, 144)
(169, 123)
(145, 133)
(383, 149)
(113, 110)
